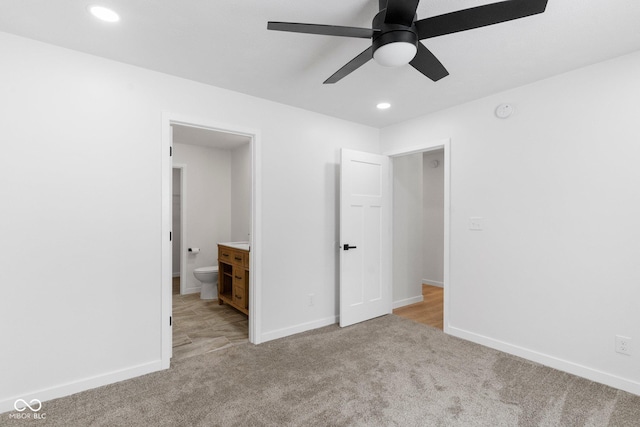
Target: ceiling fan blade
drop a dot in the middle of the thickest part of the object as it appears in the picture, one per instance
(401, 12)
(351, 66)
(477, 17)
(428, 64)
(327, 30)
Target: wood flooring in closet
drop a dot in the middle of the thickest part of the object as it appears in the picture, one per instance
(430, 311)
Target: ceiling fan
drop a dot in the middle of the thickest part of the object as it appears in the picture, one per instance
(396, 32)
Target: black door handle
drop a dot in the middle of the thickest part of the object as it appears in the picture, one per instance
(346, 247)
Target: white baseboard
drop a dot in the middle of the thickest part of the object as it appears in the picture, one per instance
(407, 301)
(303, 327)
(433, 283)
(550, 361)
(67, 389)
(192, 290)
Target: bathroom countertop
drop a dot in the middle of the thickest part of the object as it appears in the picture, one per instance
(237, 245)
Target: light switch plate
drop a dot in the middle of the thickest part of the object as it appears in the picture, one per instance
(475, 223)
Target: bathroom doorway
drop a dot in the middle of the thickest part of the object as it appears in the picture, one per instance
(212, 190)
(215, 169)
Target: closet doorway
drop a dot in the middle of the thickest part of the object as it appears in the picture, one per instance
(420, 179)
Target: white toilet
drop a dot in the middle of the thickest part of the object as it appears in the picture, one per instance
(208, 276)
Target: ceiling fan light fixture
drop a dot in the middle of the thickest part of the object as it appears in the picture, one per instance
(396, 32)
(395, 54)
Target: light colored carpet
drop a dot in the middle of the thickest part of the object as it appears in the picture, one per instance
(385, 372)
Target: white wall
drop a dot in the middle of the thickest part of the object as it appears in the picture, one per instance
(433, 218)
(555, 275)
(207, 176)
(241, 193)
(407, 229)
(82, 177)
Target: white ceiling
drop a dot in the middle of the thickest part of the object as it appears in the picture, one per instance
(226, 44)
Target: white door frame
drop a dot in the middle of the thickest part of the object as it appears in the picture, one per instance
(444, 144)
(255, 266)
(183, 224)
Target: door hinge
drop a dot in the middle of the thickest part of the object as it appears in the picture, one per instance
(170, 237)
(170, 151)
(170, 320)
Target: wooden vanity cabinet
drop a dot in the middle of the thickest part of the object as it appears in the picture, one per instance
(233, 277)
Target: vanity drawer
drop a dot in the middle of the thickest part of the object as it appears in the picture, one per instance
(226, 254)
(240, 296)
(232, 256)
(238, 276)
(238, 258)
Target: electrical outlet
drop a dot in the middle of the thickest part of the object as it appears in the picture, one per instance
(311, 300)
(623, 345)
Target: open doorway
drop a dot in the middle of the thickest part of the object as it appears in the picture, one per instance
(211, 205)
(420, 179)
(211, 163)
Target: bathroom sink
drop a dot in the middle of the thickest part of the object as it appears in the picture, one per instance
(237, 245)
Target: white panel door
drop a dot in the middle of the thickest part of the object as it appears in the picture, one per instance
(365, 237)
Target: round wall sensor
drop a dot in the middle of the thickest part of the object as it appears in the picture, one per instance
(504, 110)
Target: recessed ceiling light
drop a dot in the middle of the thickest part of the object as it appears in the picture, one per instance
(104, 14)
(383, 106)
